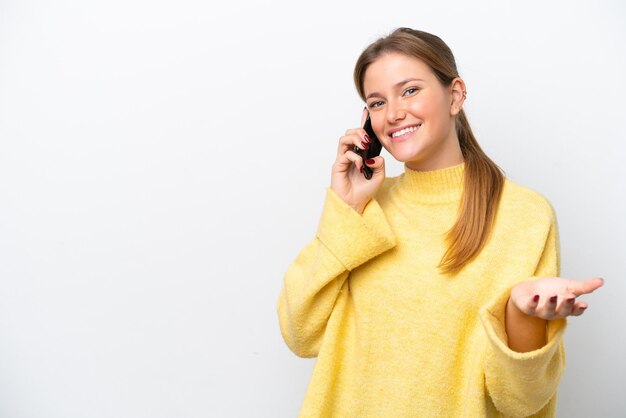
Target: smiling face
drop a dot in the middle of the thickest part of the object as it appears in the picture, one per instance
(412, 113)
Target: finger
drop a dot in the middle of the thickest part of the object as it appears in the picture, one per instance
(586, 286)
(376, 163)
(548, 309)
(350, 143)
(579, 309)
(360, 132)
(348, 158)
(566, 306)
(531, 305)
(350, 140)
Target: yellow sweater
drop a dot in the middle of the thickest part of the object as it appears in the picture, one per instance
(396, 338)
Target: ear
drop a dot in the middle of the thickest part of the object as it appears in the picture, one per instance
(458, 94)
(364, 115)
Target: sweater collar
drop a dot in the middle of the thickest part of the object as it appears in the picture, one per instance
(432, 187)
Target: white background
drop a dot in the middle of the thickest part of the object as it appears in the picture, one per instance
(163, 162)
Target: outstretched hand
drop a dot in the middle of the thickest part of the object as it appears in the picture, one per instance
(553, 297)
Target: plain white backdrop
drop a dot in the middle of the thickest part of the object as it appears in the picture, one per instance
(163, 162)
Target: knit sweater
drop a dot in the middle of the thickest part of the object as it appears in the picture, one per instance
(393, 336)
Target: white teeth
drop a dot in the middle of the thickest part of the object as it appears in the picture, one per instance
(404, 131)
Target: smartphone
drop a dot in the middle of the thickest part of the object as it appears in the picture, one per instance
(373, 151)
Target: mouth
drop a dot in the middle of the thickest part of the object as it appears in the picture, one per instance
(404, 133)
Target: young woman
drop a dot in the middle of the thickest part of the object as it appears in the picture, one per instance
(434, 293)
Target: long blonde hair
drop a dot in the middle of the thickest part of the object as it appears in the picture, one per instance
(484, 180)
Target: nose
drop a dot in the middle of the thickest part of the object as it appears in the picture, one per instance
(395, 112)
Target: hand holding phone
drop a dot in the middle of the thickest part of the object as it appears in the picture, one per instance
(374, 149)
(346, 180)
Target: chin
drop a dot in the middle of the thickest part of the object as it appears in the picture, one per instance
(405, 157)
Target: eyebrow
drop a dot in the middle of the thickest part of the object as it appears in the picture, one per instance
(401, 83)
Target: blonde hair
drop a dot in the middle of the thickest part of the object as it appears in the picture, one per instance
(484, 180)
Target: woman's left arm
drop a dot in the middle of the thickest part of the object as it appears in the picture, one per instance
(535, 302)
(525, 357)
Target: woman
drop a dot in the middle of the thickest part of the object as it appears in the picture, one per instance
(434, 293)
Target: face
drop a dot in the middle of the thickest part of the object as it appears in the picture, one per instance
(412, 114)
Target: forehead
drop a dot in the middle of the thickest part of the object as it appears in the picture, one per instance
(391, 68)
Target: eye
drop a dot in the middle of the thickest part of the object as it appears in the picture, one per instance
(410, 91)
(374, 105)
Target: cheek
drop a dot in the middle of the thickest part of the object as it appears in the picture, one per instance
(424, 107)
(377, 125)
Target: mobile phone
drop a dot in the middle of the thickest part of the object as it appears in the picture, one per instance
(373, 151)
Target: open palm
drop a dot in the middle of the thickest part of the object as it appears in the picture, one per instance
(553, 297)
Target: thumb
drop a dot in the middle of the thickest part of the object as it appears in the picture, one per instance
(586, 286)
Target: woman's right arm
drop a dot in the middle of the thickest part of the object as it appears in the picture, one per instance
(352, 230)
(344, 240)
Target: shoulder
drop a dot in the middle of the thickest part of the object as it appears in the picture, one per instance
(525, 203)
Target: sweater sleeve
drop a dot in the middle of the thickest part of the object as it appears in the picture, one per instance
(523, 384)
(344, 240)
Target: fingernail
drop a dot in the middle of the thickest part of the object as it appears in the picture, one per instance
(571, 300)
(536, 298)
(365, 145)
(367, 138)
(361, 169)
(370, 161)
(553, 299)
(583, 308)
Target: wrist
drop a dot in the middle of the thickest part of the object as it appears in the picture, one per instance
(360, 207)
(518, 314)
(525, 332)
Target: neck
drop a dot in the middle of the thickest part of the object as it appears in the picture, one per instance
(439, 186)
(435, 165)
